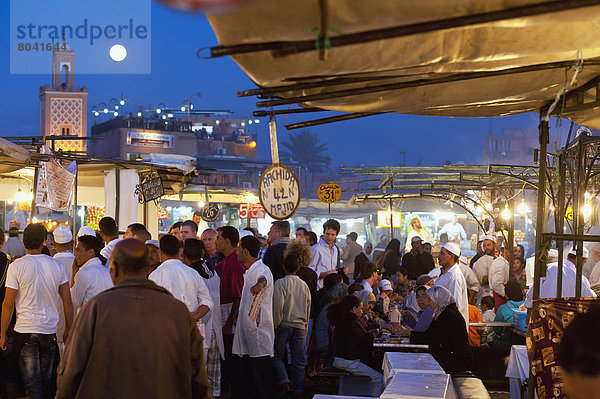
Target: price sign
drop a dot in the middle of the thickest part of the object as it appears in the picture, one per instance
(243, 210)
(151, 187)
(329, 192)
(162, 214)
(210, 212)
(257, 211)
(279, 191)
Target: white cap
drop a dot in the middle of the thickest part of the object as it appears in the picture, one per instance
(244, 233)
(153, 242)
(452, 247)
(86, 231)
(586, 253)
(385, 285)
(62, 235)
(552, 255)
(491, 238)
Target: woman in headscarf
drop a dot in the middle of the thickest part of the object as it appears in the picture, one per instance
(389, 261)
(447, 335)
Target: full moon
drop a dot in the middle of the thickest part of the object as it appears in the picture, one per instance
(118, 52)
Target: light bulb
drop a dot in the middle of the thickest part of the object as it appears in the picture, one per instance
(20, 197)
(587, 210)
(505, 214)
(523, 208)
(201, 203)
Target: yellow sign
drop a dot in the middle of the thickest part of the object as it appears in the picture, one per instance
(569, 214)
(329, 192)
(383, 218)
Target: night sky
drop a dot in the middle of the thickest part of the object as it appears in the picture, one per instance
(176, 72)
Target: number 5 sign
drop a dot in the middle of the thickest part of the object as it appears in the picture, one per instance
(329, 192)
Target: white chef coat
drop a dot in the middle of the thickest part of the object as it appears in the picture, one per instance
(255, 338)
(183, 282)
(498, 275)
(455, 282)
(481, 268)
(91, 279)
(108, 249)
(323, 259)
(548, 284)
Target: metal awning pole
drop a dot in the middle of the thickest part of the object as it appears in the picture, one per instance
(511, 234)
(541, 223)
(118, 193)
(74, 216)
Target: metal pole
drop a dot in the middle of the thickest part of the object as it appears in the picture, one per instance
(578, 216)
(511, 234)
(118, 193)
(391, 219)
(541, 222)
(35, 183)
(74, 216)
(560, 219)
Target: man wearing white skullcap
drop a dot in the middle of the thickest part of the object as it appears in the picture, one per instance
(63, 242)
(530, 264)
(482, 266)
(86, 231)
(548, 284)
(498, 277)
(452, 278)
(594, 259)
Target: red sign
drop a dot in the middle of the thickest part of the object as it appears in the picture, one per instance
(243, 210)
(257, 211)
(162, 214)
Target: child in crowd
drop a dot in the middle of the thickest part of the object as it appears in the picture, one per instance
(474, 317)
(385, 293)
(487, 309)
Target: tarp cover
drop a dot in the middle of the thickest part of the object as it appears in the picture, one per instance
(506, 44)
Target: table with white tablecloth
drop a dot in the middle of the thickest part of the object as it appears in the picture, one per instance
(400, 362)
(517, 370)
(404, 385)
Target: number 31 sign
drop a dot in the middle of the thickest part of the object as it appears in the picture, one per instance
(329, 192)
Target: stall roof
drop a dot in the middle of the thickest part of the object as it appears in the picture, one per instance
(463, 58)
(12, 156)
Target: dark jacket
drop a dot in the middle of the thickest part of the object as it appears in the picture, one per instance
(417, 264)
(447, 339)
(309, 276)
(351, 340)
(389, 261)
(274, 257)
(133, 341)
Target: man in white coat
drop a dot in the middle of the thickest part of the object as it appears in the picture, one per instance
(548, 283)
(594, 260)
(482, 266)
(498, 277)
(183, 282)
(254, 333)
(452, 278)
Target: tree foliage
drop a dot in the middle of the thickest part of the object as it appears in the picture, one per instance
(305, 148)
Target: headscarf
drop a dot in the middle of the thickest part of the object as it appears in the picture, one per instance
(441, 297)
(394, 245)
(367, 244)
(365, 296)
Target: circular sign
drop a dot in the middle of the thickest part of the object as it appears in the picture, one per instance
(209, 212)
(329, 192)
(279, 191)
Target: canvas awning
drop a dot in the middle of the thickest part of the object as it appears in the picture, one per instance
(463, 58)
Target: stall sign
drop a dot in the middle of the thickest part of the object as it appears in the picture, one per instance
(329, 192)
(279, 191)
(210, 212)
(162, 214)
(151, 187)
(257, 211)
(14, 224)
(383, 218)
(154, 140)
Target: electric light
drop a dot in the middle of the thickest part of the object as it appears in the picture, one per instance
(20, 197)
(201, 203)
(252, 144)
(505, 214)
(587, 210)
(523, 208)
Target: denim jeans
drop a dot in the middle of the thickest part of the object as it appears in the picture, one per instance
(296, 339)
(357, 368)
(36, 359)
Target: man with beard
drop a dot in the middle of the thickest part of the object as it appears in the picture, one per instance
(482, 266)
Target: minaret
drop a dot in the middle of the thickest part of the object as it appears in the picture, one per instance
(63, 109)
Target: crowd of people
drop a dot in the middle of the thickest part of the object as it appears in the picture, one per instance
(228, 313)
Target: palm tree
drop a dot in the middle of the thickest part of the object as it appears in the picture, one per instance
(305, 148)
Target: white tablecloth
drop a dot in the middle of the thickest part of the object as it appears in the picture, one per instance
(517, 370)
(419, 385)
(400, 362)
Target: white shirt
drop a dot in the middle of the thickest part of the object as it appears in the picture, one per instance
(66, 258)
(255, 338)
(91, 279)
(455, 282)
(453, 231)
(108, 249)
(435, 273)
(529, 270)
(424, 234)
(595, 275)
(498, 275)
(548, 284)
(37, 278)
(367, 286)
(470, 277)
(183, 282)
(481, 268)
(323, 259)
(212, 320)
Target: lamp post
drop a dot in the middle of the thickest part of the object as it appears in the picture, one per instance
(189, 104)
